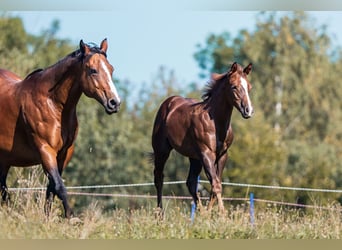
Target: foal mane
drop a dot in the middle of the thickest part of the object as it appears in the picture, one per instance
(213, 85)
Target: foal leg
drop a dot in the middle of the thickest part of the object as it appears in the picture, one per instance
(220, 166)
(212, 174)
(192, 180)
(159, 163)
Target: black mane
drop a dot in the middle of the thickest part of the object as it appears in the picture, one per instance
(93, 48)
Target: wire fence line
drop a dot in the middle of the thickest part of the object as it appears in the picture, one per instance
(148, 196)
(183, 182)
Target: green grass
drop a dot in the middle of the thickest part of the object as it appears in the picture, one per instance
(24, 218)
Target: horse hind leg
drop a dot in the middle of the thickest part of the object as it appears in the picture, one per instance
(159, 163)
(4, 191)
(192, 180)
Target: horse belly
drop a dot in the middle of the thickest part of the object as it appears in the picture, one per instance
(20, 156)
(180, 136)
(16, 148)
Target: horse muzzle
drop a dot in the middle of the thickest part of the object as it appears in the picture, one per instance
(247, 112)
(112, 106)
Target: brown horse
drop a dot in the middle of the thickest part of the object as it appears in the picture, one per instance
(201, 130)
(38, 114)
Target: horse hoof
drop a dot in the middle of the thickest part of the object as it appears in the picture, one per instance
(75, 221)
(158, 213)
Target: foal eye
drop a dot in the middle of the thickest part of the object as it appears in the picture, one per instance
(92, 71)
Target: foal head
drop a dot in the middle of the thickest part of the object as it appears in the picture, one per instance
(96, 79)
(238, 89)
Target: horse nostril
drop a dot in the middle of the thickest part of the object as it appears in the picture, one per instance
(112, 102)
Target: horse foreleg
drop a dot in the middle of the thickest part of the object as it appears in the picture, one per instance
(57, 187)
(214, 173)
(220, 167)
(212, 200)
(63, 160)
(50, 195)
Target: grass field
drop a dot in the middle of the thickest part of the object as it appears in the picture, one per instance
(24, 218)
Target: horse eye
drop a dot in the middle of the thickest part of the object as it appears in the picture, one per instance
(92, 71)
(234, 87)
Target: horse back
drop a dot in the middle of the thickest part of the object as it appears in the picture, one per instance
(174, 125)
(8, 77)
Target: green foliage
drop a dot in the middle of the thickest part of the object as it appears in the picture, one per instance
(21, 52)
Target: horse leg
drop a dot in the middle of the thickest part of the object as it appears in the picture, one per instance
(50, 195)
(3, 176)
(63, 160)
(192, 180)
(211, 171)
(159, 163)
(220, 166)
(56, 185)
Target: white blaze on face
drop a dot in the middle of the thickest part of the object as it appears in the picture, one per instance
(110, 82)
(245, 88)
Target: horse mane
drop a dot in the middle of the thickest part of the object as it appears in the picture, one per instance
(33, 72)
(212, 85)
(94, 48)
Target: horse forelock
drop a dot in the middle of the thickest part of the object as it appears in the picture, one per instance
(94, 48)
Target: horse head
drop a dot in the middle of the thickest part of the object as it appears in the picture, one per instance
(239, 89)
(96, 79)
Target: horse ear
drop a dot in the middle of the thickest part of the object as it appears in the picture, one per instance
(84, 48)
(233, 68)
(248, 69)
(104, 45)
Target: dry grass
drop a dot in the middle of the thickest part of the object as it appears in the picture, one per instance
(24, 218)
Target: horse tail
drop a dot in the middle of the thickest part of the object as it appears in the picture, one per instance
(150, 157)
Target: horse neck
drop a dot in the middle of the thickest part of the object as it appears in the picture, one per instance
(220, 109)
(65, 89)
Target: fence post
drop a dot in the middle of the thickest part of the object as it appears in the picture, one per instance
(251, 208)
(193, 204)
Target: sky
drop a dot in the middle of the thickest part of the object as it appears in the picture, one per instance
(142, 41)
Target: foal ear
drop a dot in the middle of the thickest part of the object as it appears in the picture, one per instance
(248, 69)
(104, 45)
(234, 67)
(84, 48)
